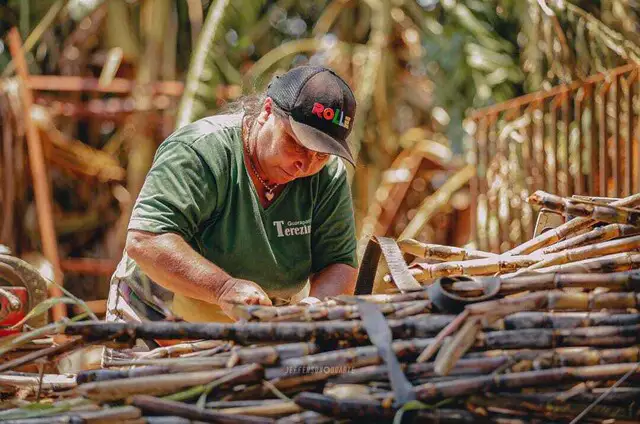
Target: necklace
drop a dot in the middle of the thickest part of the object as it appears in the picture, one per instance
(269, 188)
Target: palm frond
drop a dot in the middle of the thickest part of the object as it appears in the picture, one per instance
(205, 71)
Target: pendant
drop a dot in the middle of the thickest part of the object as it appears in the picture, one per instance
(269, 195)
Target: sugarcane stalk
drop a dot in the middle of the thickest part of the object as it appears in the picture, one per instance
(182, 348)
(564, 356)
(104, 375)
(330, 331)
(58, 407)
(338, 312)
(467, 366)
(619, 281)
(617, 396)
(225, 347)
(588, 252)
(547, 338)
(565, 230)
(439, 252)
(240, 403)
(111, 390)
(269, 410)
(45, 382)
(549, 409)
(42, 353)
(591, 210)
(343, 408)
(608, 263)
(526, 320)
(427, 272)
(414, 308)
(282, 313)
(345, 359)
(169, 407)
(489, 311)
(306, 417)
(445, 332)
(268, 313)
(577, 389)
(508, 265)
(106, 415)
(599, 234)
(457, 345)
(264, 355)
(548, 377)
(489, 361)
(556, 300)
(297, 383)
(169, 419)
(176, 364)
(390, 298)
(235, 375)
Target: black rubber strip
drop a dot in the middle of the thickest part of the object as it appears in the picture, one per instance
(380, 335)
(448, 302)
(388, 248)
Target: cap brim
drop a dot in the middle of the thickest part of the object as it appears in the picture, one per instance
(318, 141)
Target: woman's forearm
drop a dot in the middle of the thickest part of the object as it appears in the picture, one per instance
(333, 280)
(171, 262)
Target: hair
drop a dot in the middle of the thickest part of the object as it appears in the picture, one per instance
(249, 105)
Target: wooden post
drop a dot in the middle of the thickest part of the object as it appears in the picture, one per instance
(38, 172)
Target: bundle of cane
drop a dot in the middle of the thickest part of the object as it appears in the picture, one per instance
(564, 318)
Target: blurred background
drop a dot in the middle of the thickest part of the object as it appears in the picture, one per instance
(441, 156)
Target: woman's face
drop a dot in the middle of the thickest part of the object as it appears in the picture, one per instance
(280, 156)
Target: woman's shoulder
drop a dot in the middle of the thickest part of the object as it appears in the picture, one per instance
(213, 138)
(216, 129)
(334, 171)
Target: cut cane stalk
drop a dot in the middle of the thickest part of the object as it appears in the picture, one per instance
(599, 234)
(330, 331)
(498, 265)
(587, 252)
(439, 252)
(106, 391)
(591, 210)
(565, 230)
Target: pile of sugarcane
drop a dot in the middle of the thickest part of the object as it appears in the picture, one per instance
(558, 340)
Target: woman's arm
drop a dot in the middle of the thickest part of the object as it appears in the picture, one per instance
(171, 262)
(333, 280)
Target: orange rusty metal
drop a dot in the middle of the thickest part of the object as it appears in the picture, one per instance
(89, 266)
(628, 146)
(602, 137)
(578, 175)
(616, 171)
(117, 85)
(38, 167)
(582, 139)
(548, 94)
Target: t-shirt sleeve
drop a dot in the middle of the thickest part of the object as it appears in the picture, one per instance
(333, 237)
(179, 192)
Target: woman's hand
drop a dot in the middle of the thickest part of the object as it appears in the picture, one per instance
(241, 292)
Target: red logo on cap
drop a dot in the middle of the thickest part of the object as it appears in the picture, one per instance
(335, 116)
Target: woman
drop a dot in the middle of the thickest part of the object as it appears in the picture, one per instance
(245, 208)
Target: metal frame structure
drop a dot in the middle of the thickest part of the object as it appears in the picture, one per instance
(575, 139)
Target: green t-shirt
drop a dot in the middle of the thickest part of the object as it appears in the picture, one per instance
(199, 188)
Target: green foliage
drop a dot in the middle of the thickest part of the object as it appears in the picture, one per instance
(210, 61)
(474, 60)
(235, 32)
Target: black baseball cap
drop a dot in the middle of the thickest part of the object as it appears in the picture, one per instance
(320, 105)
